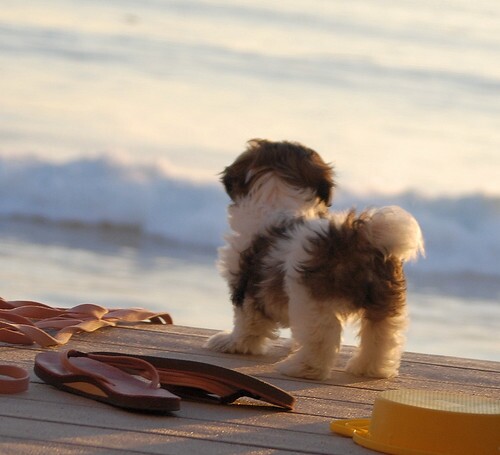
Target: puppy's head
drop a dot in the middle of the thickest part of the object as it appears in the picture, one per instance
(298, 166)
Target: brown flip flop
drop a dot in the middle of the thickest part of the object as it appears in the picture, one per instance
(199, 380)
(28, 322)
(93, 377)
(73, 371)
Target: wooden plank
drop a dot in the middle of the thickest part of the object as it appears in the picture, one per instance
(173, 339)
(247, 411)
(341, 384)
(412, 374)
(79, 439)
(203, 333)
(222, 432)
(70, 424)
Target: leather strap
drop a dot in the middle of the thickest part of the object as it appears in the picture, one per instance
(124, 363)
(26, 321)
(13, 379)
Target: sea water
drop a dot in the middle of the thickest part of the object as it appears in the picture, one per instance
(117, 116)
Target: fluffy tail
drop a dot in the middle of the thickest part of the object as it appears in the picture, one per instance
(395, 232)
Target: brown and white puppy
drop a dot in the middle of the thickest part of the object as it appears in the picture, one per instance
(289, 262)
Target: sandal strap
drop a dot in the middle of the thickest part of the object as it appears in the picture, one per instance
(192, 380)
(25, 321)
(9, 304)
(124, 363)
(138, 315)
(17, 379)
(176, 380)
(8, 315)
(33, 312)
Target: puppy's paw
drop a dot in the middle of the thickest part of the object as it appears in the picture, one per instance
(228, 342)
(360, 366)
(297, 368)
(221, 342)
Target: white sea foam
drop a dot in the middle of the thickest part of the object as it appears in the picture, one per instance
(461, 233)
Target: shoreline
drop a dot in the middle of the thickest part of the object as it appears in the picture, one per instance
(64, 266)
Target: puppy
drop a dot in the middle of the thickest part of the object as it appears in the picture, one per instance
(289, 262)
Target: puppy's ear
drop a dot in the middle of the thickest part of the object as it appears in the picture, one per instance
(234, 180)
(227, 181)
(325, 191)
(326, 187)
(319, 176)
(224, 179)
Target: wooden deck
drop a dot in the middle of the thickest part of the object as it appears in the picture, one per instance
(46, 420)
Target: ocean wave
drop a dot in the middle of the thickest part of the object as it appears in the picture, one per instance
(461, 232)
(324, 68)
(104, 191)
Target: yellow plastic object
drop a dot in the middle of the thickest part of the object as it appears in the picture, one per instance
(422, 422)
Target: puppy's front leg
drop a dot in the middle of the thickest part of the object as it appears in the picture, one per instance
(250, 332)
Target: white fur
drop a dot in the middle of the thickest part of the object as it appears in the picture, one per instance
(270, 201)
(380, 348)
(395, 231)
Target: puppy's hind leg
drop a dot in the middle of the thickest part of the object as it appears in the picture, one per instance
(250, 332)
(317, 331)
(381, 346)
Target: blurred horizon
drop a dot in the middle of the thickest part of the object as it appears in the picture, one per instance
(398, 97)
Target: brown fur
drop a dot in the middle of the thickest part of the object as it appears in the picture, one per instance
(255, 279)
(344, 265)
(299, 166)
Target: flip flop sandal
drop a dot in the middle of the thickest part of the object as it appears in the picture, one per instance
(28, 322)
(90, 377)
(198, 380)
(185, 378)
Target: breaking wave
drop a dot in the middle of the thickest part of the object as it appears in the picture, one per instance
(461, 232)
